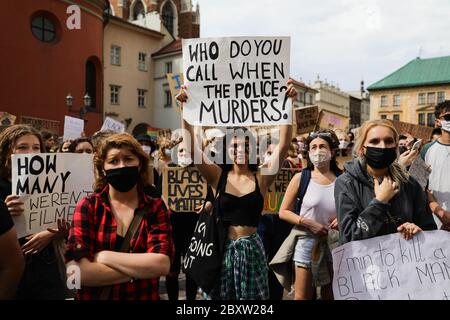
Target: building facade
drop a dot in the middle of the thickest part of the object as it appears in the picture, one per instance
(410, 93)
(50, 54)
(331, 98)
(128, 90)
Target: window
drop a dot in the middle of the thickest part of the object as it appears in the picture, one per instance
(138, 11)
(115, 94)
(301, 96)
(142, 61)
(141, 98)
(421, 119)
(43, 29)
(430, 120)
(396, 100)
(168, 99)
(431, 98)
(384, 101)
(396, 117)
(168, 67)
(310, 99)
(168, 16)
(421, 98)
(383, 116)
(115, 55)
(440, 96)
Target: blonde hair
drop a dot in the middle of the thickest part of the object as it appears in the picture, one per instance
(120, 141)
(396, 171)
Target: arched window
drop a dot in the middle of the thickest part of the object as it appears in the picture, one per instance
(138, 10)
(168, 16)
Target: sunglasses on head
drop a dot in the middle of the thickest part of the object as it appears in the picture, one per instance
(446, 117)
(320, 135)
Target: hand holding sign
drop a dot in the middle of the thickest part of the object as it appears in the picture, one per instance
(15, 205)
(37, 242)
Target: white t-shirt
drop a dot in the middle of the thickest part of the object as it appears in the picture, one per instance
(318, 203)
(437, 155)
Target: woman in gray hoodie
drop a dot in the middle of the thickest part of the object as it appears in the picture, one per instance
(376, 196)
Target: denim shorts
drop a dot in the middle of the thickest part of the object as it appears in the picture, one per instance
(303, 252)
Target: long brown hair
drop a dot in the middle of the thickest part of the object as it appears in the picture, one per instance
(120, 141)
(8, 139)
(396, 171)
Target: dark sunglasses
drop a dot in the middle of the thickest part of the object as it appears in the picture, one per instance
(446, 117)
(320, 135)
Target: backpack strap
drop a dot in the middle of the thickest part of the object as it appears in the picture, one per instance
(304, 182)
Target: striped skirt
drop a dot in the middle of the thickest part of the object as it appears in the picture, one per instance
(244, 274)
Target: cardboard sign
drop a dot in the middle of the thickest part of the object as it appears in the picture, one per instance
(237, 81)
(420, 171)
(184, 189)
(114, 125)
(50, 185)
(331, 120)
(274, 196)
(175, 82)
(7, 119)
(41, 124)
(73, 128)
(419, 132)
(306, 119)
(390, 267)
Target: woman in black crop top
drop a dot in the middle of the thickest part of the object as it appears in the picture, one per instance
(244, 274)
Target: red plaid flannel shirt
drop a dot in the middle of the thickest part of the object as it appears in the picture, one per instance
(94, 229)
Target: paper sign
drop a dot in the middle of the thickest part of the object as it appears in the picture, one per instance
(237, 81)
(114, 125)
(184, 189)
(50, 185)
(73, 128)
(389, 267)
(175, 82)
(306, 119)
(274, 196)
(331, 120)
(420, 171)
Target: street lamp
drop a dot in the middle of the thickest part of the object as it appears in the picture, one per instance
(87, 100)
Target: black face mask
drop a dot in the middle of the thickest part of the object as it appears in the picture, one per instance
(380, 158)
(123, 179)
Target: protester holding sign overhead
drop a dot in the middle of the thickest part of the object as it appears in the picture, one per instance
(120, 239)
(376, 196)
(244, 274)
(41, 278)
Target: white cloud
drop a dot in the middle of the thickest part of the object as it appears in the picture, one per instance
(341, 40)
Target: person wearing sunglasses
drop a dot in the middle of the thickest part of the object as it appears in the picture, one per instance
(437, 155)
(376, 196)
(240, 197)
(317, 214)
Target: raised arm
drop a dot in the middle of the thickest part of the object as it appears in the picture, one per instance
(209, 170)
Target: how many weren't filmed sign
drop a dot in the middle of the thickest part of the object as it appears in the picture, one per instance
(237, 81)
(50, 185)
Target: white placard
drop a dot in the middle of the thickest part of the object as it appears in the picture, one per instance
(391, 268)
(73, 128)
(50, 185)
(237, 81)
(114, 125)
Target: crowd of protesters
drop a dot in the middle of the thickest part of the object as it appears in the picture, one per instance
(373, 194)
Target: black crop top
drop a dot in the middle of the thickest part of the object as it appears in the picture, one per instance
(241, 211)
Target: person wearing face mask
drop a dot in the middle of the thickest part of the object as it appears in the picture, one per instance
(317, 214)
(437, 155)
(376, 196)
(97, 240)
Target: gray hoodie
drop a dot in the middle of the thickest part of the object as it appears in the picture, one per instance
(361, 218)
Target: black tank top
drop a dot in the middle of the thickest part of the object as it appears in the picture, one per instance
(241, 211)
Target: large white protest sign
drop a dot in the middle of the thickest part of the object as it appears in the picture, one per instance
(389, 267)
(50, 185)
(73, 128)
(114, 125)
(237, 81)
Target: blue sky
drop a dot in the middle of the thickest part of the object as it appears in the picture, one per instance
(341, 40)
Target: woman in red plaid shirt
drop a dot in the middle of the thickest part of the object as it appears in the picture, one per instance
(102, 219)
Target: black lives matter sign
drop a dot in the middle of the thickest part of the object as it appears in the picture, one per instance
(237, 81)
